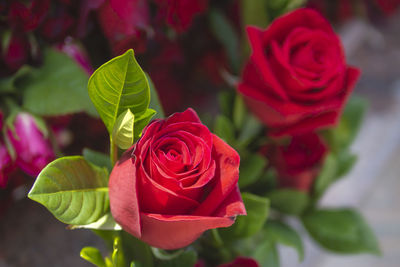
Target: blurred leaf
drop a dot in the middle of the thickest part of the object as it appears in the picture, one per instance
(289, 201)
(122, 133)
(136, 250)
(345, 162)
(224, 129)
(239, 112)
(250, 130)
(225, 33)
(106, 222)
(341, 230)
(225, 100)
(254, 12)
(245, 226)
(164, 255)
(142, 121)
(342, 136)
(293, 4)
(285, 235)
(155, 102)
(73, 190)
(266, 254)
(93, 255)
(58, 87)
(251, 168)
(97, 158)
(7, 84)
(118, 85)
(326, 176)
(186, 259)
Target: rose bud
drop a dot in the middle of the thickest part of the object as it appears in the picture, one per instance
(77, 53)
(176, 182)
(298, 163)
(32, 148)
(296, 79)
(180, 13)
(241, 262)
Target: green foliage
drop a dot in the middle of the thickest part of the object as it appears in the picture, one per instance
(97, 158)
(93, 255)
(187, 258)
(123, 133)
(251, 168)
(239, 112)
(225, 33)
(106, 222)
(289, 201)
(73, 190)
(7, 85)
(58, 87)
(283, 234)
(341, 230)
(245, 226)
(266, 254)
(250, 130)
(118, 85)
(155, 102)
(142, 121)
(224, 129)
(254, 12)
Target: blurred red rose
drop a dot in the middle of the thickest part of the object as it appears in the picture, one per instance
(32, 148)
(388, 6)
(6, 165)
(180, 13)
(27, 18)
(241, 262)
(176, 182)
(298, 162)
(297, 79)
(16, 53)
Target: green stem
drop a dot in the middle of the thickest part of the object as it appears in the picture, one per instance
(113, 152)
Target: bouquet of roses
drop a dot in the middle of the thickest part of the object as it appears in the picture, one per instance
(174, 191)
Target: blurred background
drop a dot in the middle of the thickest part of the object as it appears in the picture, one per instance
(31, 236)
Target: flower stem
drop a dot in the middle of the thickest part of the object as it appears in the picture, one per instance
(113, 152)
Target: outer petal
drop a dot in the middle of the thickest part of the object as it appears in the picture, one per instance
(123, 195)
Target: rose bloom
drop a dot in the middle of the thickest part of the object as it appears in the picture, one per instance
(176, 182)
(296, 79)
(238, 262)
(298, 163)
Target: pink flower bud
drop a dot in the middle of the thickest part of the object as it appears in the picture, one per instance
(33, 150)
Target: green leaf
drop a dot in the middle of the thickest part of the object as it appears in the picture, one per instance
(345, 162)
(254, 12)
(136, 250)
(326, 176)
(7, 85)
(289, 201)
(93, 255)
(142, 121)
(122, 134)
(73, 190)
(106, 222)
(155, 102)
(283, 234)
(118, 85)
(58, 87)
(251, 168)
(245, 226)
(293, 4)
(239, 112)
(250, 130)
(225, 33)
(224, 129)
(342, 136)
(97, 158)
(185, 259)
(341, 230)
(226, 100)
(117, 256)
(266, 254)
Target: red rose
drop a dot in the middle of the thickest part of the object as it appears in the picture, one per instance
(298, 163)
(297, 79)
(176, 182)
(241, 262)
(180, 13)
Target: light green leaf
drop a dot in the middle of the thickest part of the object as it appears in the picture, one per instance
(142, 121)
(251, 168)
(266, 254)
(186, 259)
(245, 226)
(164, 255)
(117, 256)
(155, 102)
(326, 176)
(289, 201)
(106, 222)
(97, 158)
(254, 12)
(93, 255)
(58, 87)
(122, 133)
(341, 230)
(73, 190)
(118, 85)
(225, 33)
(285, 235)
(250, 130)
(224, 128)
